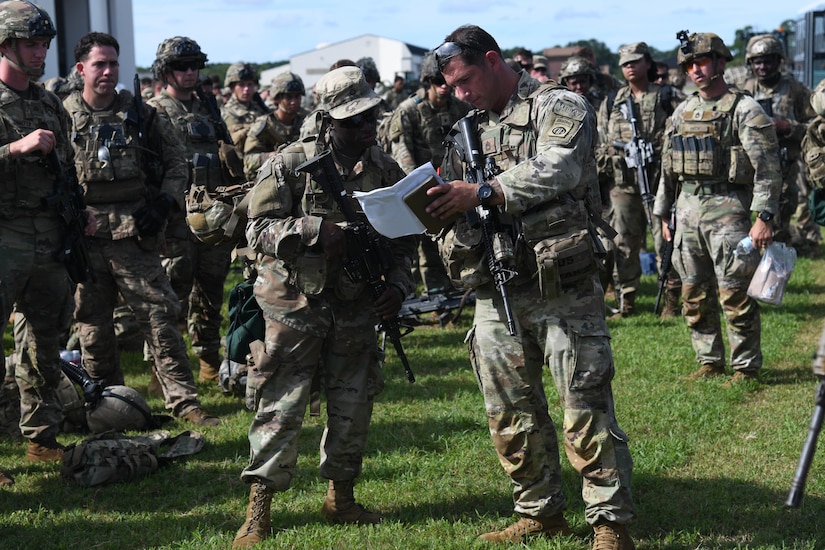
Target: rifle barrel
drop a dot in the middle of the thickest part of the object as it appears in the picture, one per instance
(808, 449)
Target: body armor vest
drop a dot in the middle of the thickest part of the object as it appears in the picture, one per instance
(705, 147)
(107, 157)
(25, 181)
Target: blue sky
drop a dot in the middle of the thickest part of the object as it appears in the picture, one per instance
(271, 30)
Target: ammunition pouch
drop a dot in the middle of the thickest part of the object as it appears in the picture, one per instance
(563, 261)
(462, 253)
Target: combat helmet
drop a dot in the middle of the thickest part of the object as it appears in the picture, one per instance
(286, 83)
(240, 71)
(120, 408)
(762, 45)
(20, 19)
(178, 48)
(698, 44)
(574, 66)
(429, 69)
(369, 68)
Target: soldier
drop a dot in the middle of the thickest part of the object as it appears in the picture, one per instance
(720, 163)
(579, 74)
(416, 132)
(33, 124)
(196, 269)
(788, 102)
(397, 93)
(131, 207)
(651, 105)
(539, 70)
(314, 314)
(278, 128)
(244, 105)
(558, 310)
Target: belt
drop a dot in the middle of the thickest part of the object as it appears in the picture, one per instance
(698, 188)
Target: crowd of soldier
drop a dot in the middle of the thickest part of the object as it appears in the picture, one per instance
(147, 255)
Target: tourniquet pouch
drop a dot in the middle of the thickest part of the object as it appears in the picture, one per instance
(462, 253)
(563, 261)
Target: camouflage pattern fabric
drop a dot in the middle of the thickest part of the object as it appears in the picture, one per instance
(196, 270)
(239, 118)
(790, 100)
(548, 168)
(31, 280)
(713, 215)
(266, 135)
(330, 327)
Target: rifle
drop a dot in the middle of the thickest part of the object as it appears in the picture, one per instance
(369, 254)
(638, 154)
(441, 303)
(68, 200)
(809, 448)
(152, 166)
(212, 105)
(498, 246)
(667, 257)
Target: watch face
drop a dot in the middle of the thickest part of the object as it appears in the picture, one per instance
(765, 216)
(485, 192)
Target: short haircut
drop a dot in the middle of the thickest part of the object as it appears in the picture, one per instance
(92, 39)
(477, 41)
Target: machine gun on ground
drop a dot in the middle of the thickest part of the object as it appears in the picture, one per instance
(442, 304)
(369, 254)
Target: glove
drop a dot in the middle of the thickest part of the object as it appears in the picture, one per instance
(149, 218)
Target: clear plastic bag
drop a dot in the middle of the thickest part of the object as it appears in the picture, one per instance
(771, 277)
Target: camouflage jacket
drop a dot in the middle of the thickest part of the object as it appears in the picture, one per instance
(418, 128)
(741, 149)
(26, 180)
(788, 99)
(115, 188)
(265, 135)
(813, 151)
(239, 118)
(286, 210)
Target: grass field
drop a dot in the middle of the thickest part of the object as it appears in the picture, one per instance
(713, 464)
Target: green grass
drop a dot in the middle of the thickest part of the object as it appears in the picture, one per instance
(712, 464)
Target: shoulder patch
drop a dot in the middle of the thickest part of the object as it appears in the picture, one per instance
(566, 108)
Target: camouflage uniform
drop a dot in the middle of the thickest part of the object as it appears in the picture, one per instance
(417, 131)
(197, 270)
(266, 134)
(124, 262)
(239, 118)
(300, 308)
(544, 142)
(789, 99)
(627, 211)
(718, 191)
(31, 279)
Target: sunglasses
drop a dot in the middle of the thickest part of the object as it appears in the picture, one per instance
(661, 75)
(449, 50)
(184, 66)
(438, 80)
(359, 120)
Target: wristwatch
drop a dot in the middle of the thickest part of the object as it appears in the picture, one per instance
(765, 216)
(485, 194)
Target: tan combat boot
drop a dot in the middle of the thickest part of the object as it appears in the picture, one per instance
(258, 525)
(340, 506)
(209, 365)
(5, 479)
(706, 371)
(48, 451)
(612, 536)
(530, 527)
(627, 306)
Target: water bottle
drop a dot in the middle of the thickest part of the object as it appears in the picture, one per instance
(745, 246)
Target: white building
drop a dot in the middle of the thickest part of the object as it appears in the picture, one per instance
(392, 57)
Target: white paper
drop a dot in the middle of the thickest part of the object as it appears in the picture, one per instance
(386, 210)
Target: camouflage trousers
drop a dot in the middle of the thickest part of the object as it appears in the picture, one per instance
(629, 219)
(122, 266)
(570, 335)
(37, 286)
(197, 272)
(278, 390)
(708, 228)
(427, 266)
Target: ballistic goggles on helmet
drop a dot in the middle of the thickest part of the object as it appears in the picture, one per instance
(449, 50)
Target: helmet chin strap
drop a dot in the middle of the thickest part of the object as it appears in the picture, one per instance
(172, 81)
(17, 64)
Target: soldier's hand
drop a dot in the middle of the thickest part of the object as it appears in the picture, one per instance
(91, 223)
(333, 240)
(761, 233)
(452, 198)
(40, 140)
(666, 231)
(782, 126)
(388, 304)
